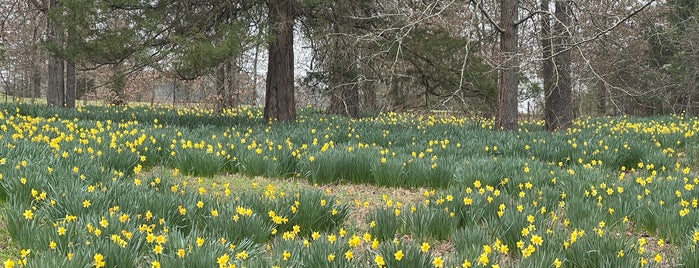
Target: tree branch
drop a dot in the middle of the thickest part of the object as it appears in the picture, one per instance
(492, 22)
(601, 33)
(531, 14)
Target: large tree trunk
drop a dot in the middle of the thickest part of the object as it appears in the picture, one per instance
(70, 84)
(280, 103)
(558, 106)
(509, 71)
(55, 90)
(547, 65)
(118, 86)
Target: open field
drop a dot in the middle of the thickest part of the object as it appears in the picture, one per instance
(143, 186)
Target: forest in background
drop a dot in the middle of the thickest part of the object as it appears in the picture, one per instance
(550, 59)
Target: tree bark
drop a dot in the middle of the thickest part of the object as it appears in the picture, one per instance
(36, 77)
(547, 65)
(70, 84)
(70, 75)
(601, 98)
(225, 78)
(396, 96)
(344, 98)
(55, 90)
(558, 105)
(36, 66)
(368, 96)
(509, 71)
(280, 103)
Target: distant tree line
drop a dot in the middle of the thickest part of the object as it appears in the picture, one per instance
(553, 59)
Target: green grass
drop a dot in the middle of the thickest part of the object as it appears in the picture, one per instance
(147, 182)
(8, 248)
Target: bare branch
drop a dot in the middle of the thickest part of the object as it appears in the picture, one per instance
(531, 14)
(602, 33)
(492, 22)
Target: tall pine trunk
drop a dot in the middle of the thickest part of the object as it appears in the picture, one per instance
(509, 71)
(70, 85)
(55, 90)
(558, 110)
(280, 103)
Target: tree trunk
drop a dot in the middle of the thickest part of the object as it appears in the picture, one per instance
(396, 96)
(280, 103)
(368, 96)
(70, 76)
(36, 64)
(55, 90)
(223, 90)
(233, 89)
(254, 73)
(547, 65)
(509, 71)
(558, 106)
(70, 84)
(344, 98)
(601, 98)
(36, 80)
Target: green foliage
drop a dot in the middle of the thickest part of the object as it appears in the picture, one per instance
(404, 255)
(674, 51)
(384, 223)
(429, 223)
(437, 58)
(177, 36)
(200, 53)
(525, 199)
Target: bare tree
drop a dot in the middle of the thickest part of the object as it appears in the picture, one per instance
(22, 28)
(611, 58)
